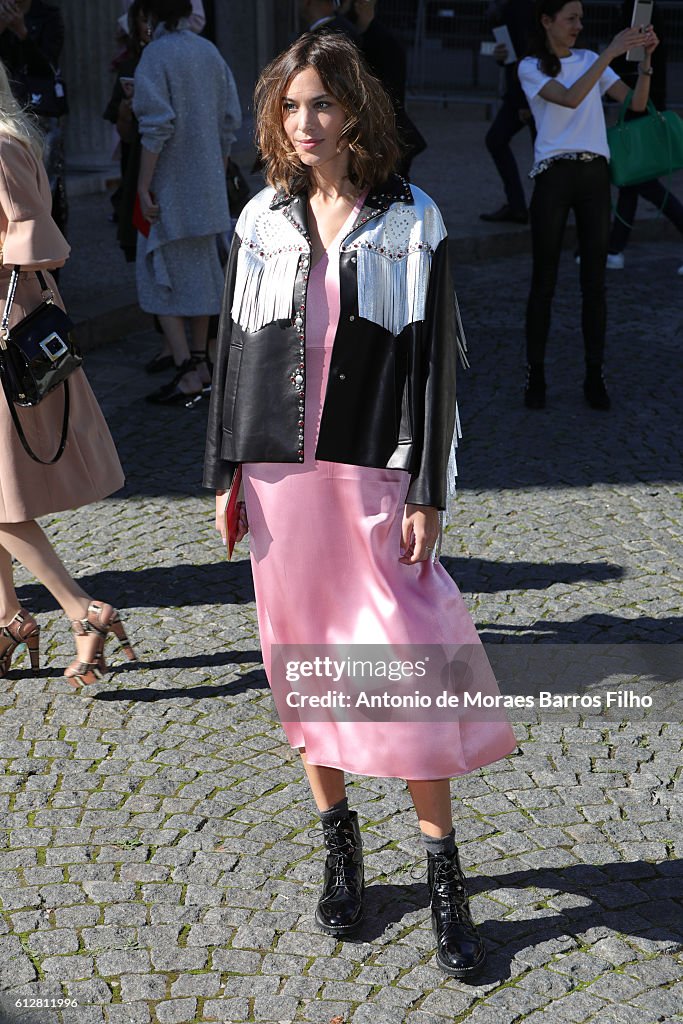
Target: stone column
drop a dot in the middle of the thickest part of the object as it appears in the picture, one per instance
(89, 47)
(249, 33)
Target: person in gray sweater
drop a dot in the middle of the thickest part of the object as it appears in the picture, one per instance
(188, 111)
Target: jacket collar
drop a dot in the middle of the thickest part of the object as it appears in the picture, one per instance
(378, 200)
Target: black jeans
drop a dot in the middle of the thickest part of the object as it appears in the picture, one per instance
(627, 204)
(505, 126)
(584, 187)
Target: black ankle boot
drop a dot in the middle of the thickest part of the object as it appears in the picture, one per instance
(459, 950)
(340, 907)
(594, 389)
(534, 392)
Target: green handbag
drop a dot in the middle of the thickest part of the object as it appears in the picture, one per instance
(645, 147)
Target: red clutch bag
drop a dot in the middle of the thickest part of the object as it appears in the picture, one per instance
(139, 222)
(231, 514)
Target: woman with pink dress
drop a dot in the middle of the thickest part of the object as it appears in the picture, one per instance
(334, 388)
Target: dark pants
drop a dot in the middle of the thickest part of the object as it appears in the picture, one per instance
(627, 204)
(584, 187)
(505, 126)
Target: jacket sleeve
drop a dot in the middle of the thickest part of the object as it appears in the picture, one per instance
(438, 360)
(32, 238)
(152, 102)
(218, 472)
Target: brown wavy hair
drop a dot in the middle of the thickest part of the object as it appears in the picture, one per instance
(370, 126)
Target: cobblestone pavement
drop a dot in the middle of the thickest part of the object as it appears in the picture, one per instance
(156, 855)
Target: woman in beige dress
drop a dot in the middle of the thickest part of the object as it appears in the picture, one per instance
(89, 469)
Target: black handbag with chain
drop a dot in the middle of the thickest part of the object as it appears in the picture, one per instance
(36, 356)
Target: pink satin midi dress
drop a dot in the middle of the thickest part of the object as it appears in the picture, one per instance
(325, 542)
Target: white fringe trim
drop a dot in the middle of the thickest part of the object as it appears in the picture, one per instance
(392, 292)
(451, 479)
(460, 335)
(264, 288)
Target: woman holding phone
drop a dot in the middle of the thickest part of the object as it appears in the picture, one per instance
(564, 87)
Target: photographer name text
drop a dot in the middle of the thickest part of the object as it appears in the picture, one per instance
(544, 700)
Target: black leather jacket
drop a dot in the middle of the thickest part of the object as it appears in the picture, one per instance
(390, 398)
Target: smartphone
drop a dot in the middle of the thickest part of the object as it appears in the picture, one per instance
(128, 86)
(642, 17)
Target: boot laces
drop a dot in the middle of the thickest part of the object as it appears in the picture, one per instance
(449, 886)
(340, 851)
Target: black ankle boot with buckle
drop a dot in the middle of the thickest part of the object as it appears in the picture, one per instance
(460, 951)
(340, 907)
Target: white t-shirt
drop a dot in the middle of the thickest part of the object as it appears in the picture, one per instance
(563, 129)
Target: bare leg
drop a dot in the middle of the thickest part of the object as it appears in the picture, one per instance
(327, 784)
(9, 602)
(174, 331)
(28, 544)
(199, 331)
(432, 800)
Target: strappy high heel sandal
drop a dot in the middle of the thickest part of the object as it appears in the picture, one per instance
(100, 621)
(201, 356)
(23, 629)
(172, 393)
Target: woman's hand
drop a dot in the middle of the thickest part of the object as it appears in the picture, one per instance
(419, 533)
(628, 39)
(148, 207)
(8, 13)
(650, 43)
(500, 53)
(243, 524)
(125, 124)
(13, 14)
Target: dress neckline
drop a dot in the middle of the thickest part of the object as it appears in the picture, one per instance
(343, 230)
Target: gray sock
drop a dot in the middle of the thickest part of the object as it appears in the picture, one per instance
(445, 844)
(335, 812)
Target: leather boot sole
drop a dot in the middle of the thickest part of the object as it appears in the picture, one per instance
(342, 929)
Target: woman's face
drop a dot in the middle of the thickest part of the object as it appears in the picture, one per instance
(564, 27)
(313, 120)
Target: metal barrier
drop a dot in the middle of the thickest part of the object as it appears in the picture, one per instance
(443, 39)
